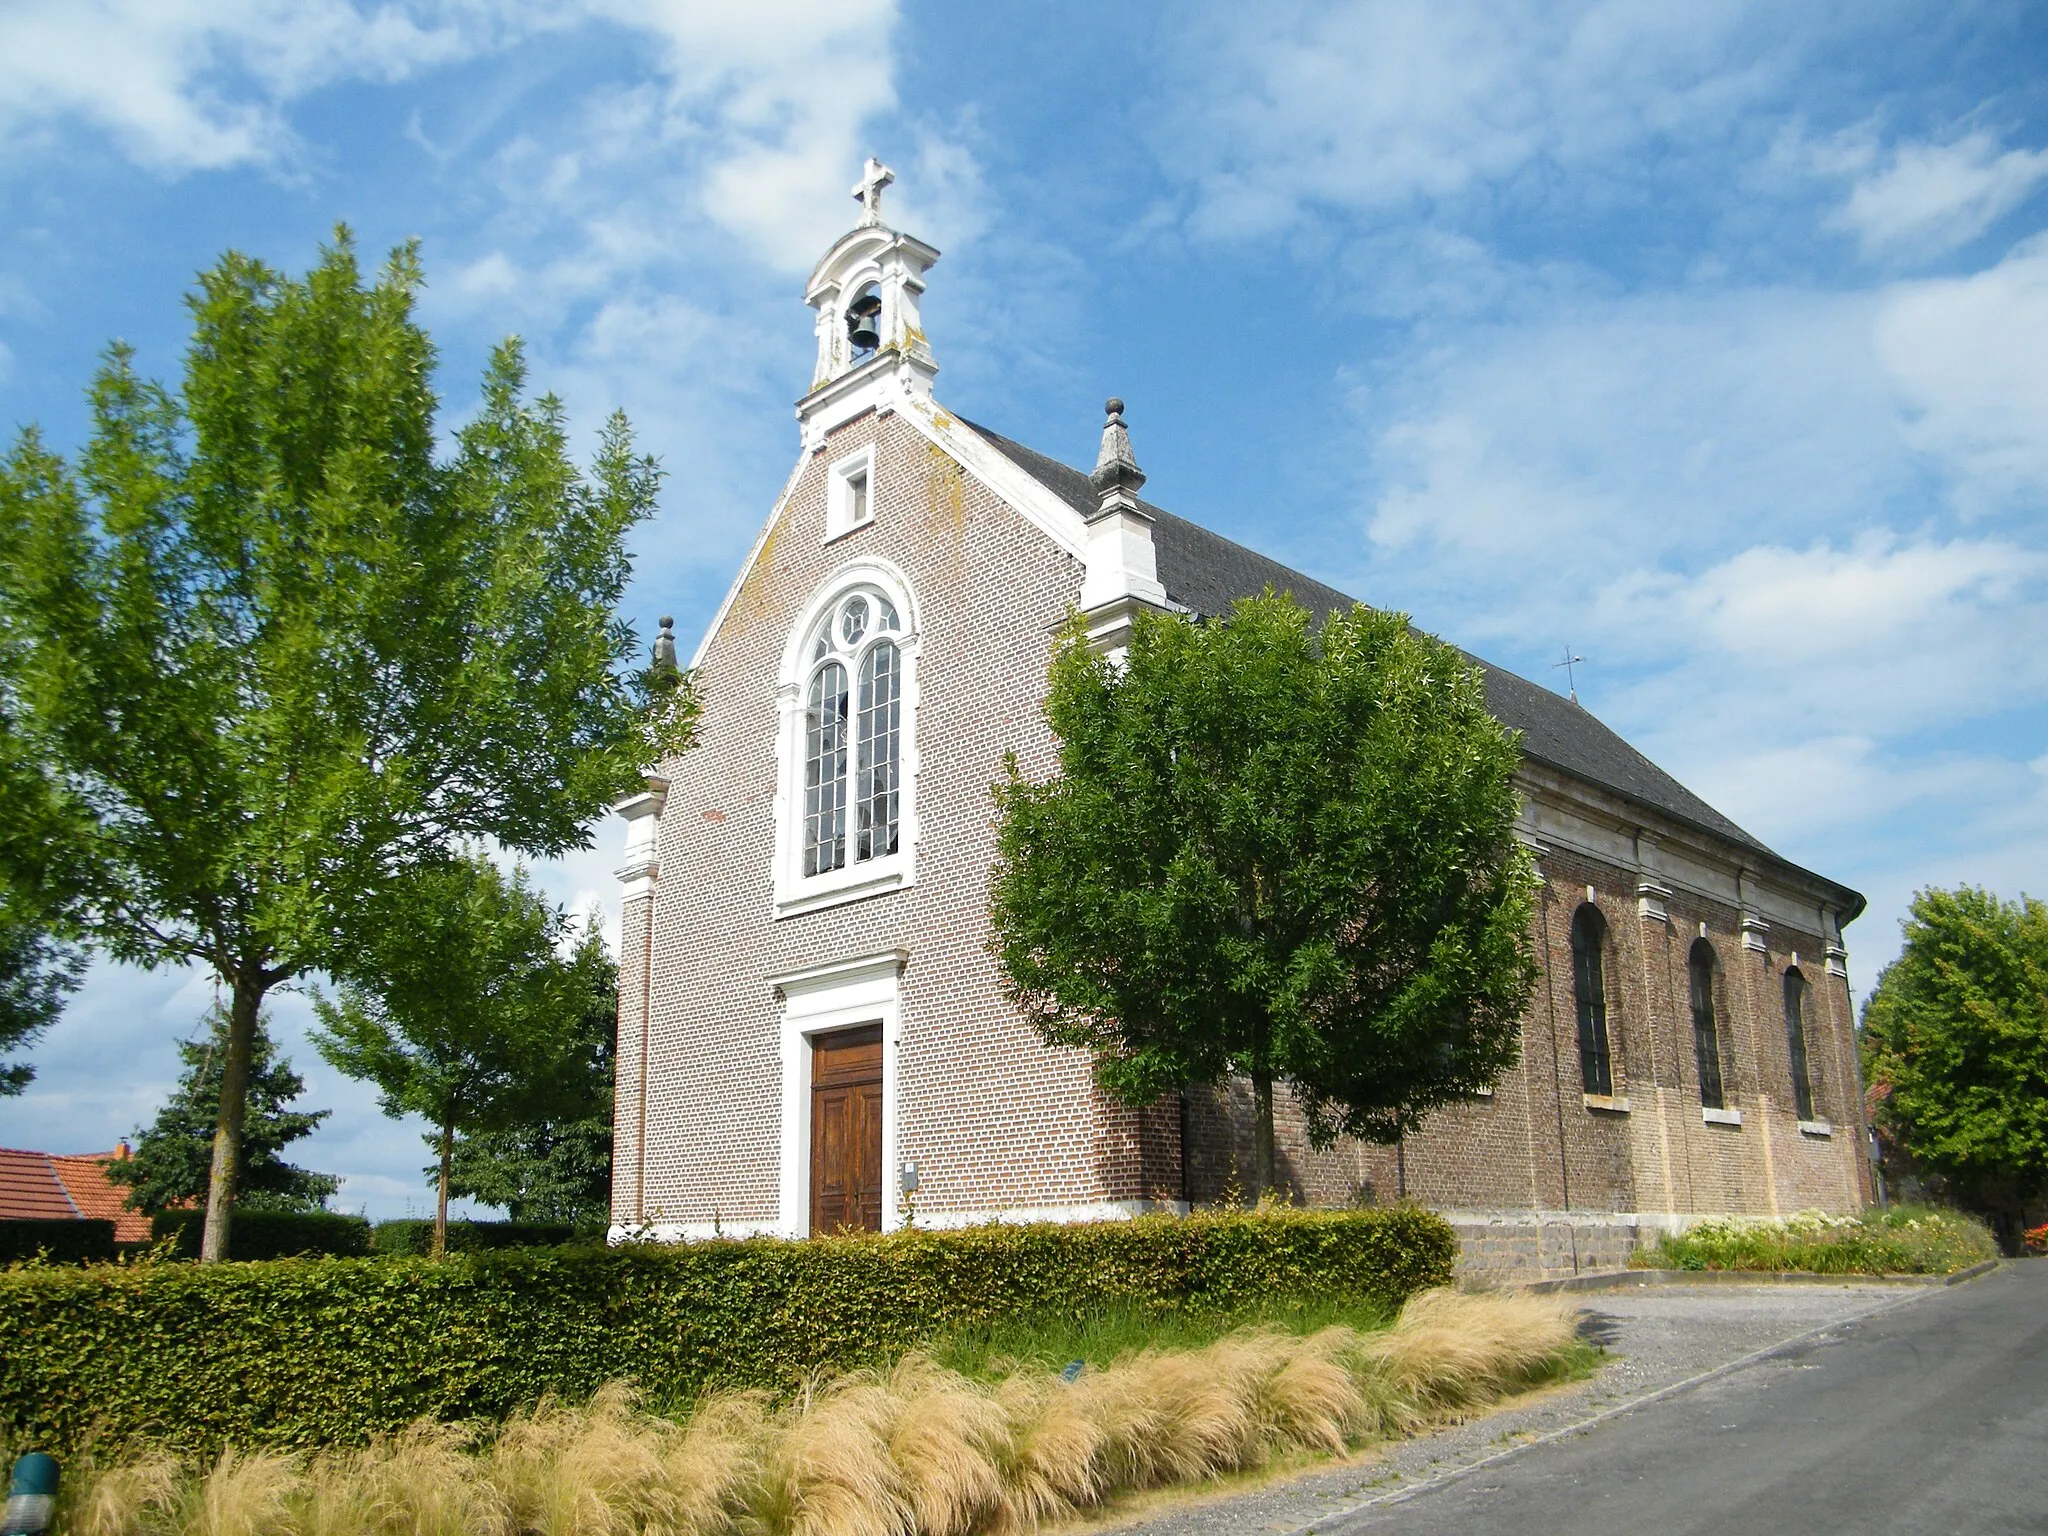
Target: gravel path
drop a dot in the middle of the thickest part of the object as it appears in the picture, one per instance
(1660, 1338)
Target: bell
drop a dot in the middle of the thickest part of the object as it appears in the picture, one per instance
(863, 323)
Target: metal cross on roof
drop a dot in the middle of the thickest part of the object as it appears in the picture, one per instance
(1572, 661)
(873, 177)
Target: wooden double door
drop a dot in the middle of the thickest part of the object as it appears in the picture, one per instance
(846, 1131)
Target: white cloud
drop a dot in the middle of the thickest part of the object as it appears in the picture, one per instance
(1375, 108)
(1969, 358)
(1927, 198)
(187, 85)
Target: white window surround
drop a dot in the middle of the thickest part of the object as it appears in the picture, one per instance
(1712, 1116)
(840, 994)
(794, 891)
(850, 494)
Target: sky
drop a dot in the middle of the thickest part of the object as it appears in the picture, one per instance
(1709, 341)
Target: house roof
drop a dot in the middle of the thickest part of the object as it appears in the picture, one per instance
(1207, 573)
(52, 1186)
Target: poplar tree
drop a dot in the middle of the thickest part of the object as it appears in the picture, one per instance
(263, 651)
(1276, 850)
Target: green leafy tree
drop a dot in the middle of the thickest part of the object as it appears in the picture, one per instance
(1276, 850)
(262, 652)
(37, 972)
(556, 1166)
(1955, 1045)
(462, 1009)
(172, 1164)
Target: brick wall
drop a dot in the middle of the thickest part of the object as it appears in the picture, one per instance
(997, 1121)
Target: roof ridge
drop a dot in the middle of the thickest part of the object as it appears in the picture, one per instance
(1556, 731)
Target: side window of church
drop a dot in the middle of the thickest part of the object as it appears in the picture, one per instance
(1795, 1039)
(855, 642)
(1589, 984)
(1706, 1038)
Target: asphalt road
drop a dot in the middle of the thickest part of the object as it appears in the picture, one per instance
(1926, 1417)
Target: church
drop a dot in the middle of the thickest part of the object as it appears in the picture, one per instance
(814, 1036)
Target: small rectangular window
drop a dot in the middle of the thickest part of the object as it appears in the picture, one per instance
(850, 494)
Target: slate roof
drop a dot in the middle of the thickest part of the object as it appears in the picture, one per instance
(1206, 572)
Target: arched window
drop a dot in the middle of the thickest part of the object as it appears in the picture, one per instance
(1706, 1038)
(1795, 1039)
(825, 771)
(1589, 987)
(848, 692)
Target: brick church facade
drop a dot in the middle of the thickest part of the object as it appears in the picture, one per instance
(813, 1033)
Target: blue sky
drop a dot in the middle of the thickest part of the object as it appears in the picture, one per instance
(1710, 340)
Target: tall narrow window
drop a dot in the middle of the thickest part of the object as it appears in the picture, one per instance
(1795, 1039)
(876, 753)
(1706, 1038)
(825, 771)
(1589, 986)
(857, 497)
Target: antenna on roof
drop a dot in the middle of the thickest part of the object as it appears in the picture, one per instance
(1572, 661)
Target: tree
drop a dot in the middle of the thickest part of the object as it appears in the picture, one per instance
(1277, 851)
(557, 1167)
(462, 1009)
(172, 1164)
(1955, 1047)
(37, 972)
(261, 653)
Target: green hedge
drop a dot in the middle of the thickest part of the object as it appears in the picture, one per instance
(269, 1234)
(60, 1241)
(325, 1351)
(469, 1236)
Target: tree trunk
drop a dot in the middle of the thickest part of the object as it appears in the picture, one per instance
(246, 1005)
(1262, 1133)
(440, 1244)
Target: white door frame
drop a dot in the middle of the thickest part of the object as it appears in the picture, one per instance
(840, 994)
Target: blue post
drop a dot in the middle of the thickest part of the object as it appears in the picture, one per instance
(31, 1494)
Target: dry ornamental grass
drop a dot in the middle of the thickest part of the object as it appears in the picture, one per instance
(918, 1450)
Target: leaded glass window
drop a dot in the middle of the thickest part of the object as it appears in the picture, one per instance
(1589, 987)
(1795, 1040)
(825, 771)
(877, 752)
(853, 734)
(1706, 1036)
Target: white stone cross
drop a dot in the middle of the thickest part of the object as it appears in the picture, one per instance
(868, 189)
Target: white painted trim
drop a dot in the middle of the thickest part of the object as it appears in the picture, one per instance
(1711, 1116)
(839, 518)
(791, 890)
(1065, 1215)
(687, 1231)
(818, 999)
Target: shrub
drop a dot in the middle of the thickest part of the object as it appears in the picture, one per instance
(2035, 1239)
(268, 1234)
(911, 1449)
(310, 1352)
(412, 1236)
(57, 1240)
(1905, 1240)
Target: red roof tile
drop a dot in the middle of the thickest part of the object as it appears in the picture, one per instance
(29, 1188)
(85, 1180)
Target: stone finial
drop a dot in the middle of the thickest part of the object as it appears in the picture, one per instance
(1117, 476)
(868, 190)
(665, 645)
